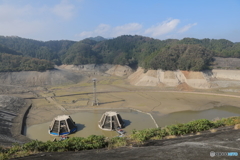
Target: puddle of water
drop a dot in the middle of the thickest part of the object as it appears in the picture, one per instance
(187, 116)
(87, 123)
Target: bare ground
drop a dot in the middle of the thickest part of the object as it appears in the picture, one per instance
(114, 92)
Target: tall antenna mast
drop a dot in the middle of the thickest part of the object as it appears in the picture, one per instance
(95, 101)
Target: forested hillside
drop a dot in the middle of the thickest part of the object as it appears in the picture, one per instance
(171, 54)
(13, 63)
(50, 50)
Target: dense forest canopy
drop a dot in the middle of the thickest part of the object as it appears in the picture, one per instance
(13, 63)
(183, 57)
(171, 54)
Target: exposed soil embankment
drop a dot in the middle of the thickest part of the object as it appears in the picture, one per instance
(168, 78)
(68, 74)
(12, 115)
(34, 78)
(226, 74)
(65, 74)
(100, 69)
(201, 80)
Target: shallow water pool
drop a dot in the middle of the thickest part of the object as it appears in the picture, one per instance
(87, 124)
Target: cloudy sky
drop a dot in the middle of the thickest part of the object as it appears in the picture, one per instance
(161, 19)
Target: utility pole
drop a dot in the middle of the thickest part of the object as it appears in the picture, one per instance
(95, 101)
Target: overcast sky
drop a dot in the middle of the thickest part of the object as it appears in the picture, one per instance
(161, 19)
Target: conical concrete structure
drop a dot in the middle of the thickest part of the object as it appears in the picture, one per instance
(62, 125)
(110, 121)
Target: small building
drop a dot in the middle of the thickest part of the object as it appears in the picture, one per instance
(62, 125)
(111, 121)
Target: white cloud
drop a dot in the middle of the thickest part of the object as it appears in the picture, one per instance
(130, 28)
(17, 20)
(102, 30)
(9, 13)
(30, 21)
(163, 28)
(64, 10)
(21, 28)
(108, 31)
(186, 28)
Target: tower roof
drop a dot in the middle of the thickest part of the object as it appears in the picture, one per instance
(62, 117)
(110, 120)
(62, 125)
(110, 113)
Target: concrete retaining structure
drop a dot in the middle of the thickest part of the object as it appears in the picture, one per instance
(13, 112)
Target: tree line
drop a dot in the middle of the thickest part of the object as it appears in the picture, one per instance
(15, 63)
(171, 54)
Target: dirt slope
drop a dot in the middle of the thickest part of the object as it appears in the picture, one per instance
(67, 74)
(202, 80)
(34, 78)
(100, 69)
(168, 78)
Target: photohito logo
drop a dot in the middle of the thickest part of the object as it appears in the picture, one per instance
(217, 154)
(212, 153)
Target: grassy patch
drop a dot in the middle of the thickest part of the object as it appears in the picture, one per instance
(72, 99)
(64, 86)
(71, 144)
(47, 94)
(117, 142)
(182, 129)
(86, 84)
(117, 82)
(41, 102)
(69, 93)
(228, 121)
(146, 134)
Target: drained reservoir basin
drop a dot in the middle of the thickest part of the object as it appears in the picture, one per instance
(87, 124)
(87, 121)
